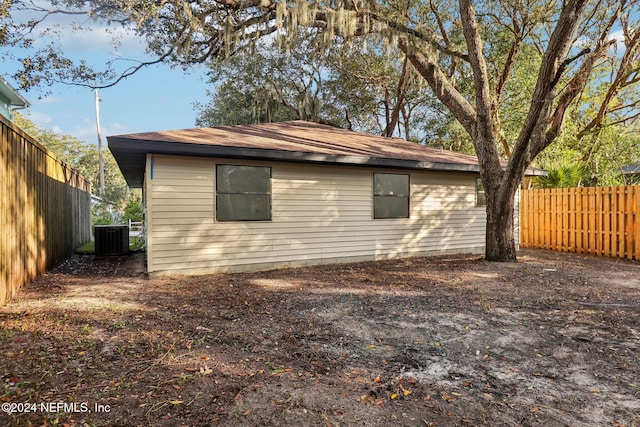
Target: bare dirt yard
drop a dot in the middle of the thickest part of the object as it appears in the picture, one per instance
(552, 340)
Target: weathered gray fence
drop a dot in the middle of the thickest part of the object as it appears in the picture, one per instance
(45, 210)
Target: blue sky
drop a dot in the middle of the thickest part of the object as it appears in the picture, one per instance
(155, 98)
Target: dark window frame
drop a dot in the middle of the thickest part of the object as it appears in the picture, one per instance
(225, 197)
(402, 200)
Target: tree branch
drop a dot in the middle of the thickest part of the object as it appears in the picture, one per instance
(127, 73)
(403, 29)
(400, 94)
(537, 119)
(575, 86)
(441, 87)
(620, 81)
(483, 138)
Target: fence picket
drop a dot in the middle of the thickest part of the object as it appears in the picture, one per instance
(45, 209)
(620, 221)
(572, 220)
(628, 227)
(592, 224)
(607, 221)
(599, 221)
(636, 221)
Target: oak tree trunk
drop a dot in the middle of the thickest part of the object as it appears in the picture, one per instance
(500, 241)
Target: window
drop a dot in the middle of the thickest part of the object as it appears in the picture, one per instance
(390, 195)
(481, 199)
(243, 193)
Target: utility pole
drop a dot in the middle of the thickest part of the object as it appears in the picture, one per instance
(100, 159)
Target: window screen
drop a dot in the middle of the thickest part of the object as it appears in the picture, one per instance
(243, 193)
(390, 195)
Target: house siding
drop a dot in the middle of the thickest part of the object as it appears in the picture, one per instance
(5, 108)
(320, 214)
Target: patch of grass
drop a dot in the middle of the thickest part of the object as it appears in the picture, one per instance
(135, 244)
(237, 410)
(185, 378)
(122, 324)
(87, 249)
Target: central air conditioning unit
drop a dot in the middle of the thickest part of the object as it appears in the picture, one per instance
(111, 240)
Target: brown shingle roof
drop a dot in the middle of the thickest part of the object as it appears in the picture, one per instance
(300, 136)
(285, 141)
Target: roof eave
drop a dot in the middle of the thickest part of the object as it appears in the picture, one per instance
(631, 169)
(15, 99)
(131, 157)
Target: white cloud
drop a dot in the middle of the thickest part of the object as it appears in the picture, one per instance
(87, 131)
(84, 132)
(618, 36)
(42, 120)
(116, 128)
(78, 35)
(50, 100)
(111, 42)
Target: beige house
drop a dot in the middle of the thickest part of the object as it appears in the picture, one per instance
(284, 194)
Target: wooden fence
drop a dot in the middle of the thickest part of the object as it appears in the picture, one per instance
(603, 221)
(45, 210)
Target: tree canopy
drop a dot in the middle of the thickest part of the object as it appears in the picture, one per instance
(81, 157)
(342, 86)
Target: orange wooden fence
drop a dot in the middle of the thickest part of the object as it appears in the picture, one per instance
(45, 209)
(603, 221)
